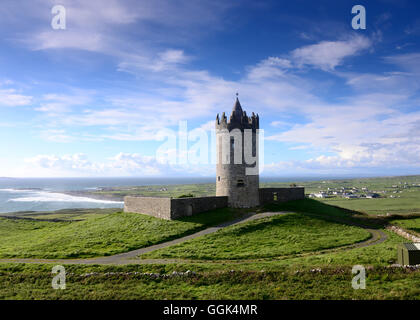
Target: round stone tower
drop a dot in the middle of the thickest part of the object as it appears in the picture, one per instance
(237, 173)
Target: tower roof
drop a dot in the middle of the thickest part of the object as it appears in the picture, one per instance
(238, 119)
(237, 109)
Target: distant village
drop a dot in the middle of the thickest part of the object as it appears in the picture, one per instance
(363, 192)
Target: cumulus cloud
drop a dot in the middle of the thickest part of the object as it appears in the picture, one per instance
(80, 165)
(359, 137)
(122, 164)
(68, 163)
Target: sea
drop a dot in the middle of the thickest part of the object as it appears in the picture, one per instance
(48, 194)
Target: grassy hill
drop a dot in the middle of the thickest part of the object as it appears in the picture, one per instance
(268, 237)
(97, 236)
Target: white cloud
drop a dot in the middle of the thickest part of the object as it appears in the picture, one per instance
(57, 135)
(327, 55)
(119, 28)
(173, 56)
(11, 98)
(70, 39)
(77, 163)
(54, 104)
(409, 62)
(122, 164)
(270, 67)
(167, 60)
(360, 136)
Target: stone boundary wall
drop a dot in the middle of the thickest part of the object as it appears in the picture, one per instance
(270, 195)
(152, 206)
(169, 209)
(401, 232)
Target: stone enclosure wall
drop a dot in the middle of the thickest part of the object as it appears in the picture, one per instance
(269, 195)
(169, 209)
(152, 206)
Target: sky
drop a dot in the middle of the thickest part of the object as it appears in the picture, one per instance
(97, 98)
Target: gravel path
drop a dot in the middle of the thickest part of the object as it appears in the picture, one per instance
(130, 257)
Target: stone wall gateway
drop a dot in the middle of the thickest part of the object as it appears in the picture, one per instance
(270, 195)
(181, 207)
(169, 209)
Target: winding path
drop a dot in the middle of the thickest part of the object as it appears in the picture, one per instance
(131, 257)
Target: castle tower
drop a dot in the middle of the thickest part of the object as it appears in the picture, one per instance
(237, 158)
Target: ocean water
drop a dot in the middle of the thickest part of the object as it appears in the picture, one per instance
(46, 194)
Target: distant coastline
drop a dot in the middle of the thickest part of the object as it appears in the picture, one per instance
(91, 195)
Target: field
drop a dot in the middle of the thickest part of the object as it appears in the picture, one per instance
(306, 253)
(129, 282)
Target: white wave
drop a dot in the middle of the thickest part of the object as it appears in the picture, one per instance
(42, 196)
(20, 190)
(11, 190)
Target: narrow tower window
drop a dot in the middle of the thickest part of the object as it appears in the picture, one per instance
(241, 183)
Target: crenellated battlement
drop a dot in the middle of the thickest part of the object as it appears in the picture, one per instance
(238, 119)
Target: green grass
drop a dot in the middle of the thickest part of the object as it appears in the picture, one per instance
(34, 282)
(408, 203)
(64, 214)
(118, 193)
(268, 237)
(97, 236)
(311, 206)
(284, 277)
(381, 254)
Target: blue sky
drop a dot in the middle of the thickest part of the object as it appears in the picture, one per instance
(94, 99)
